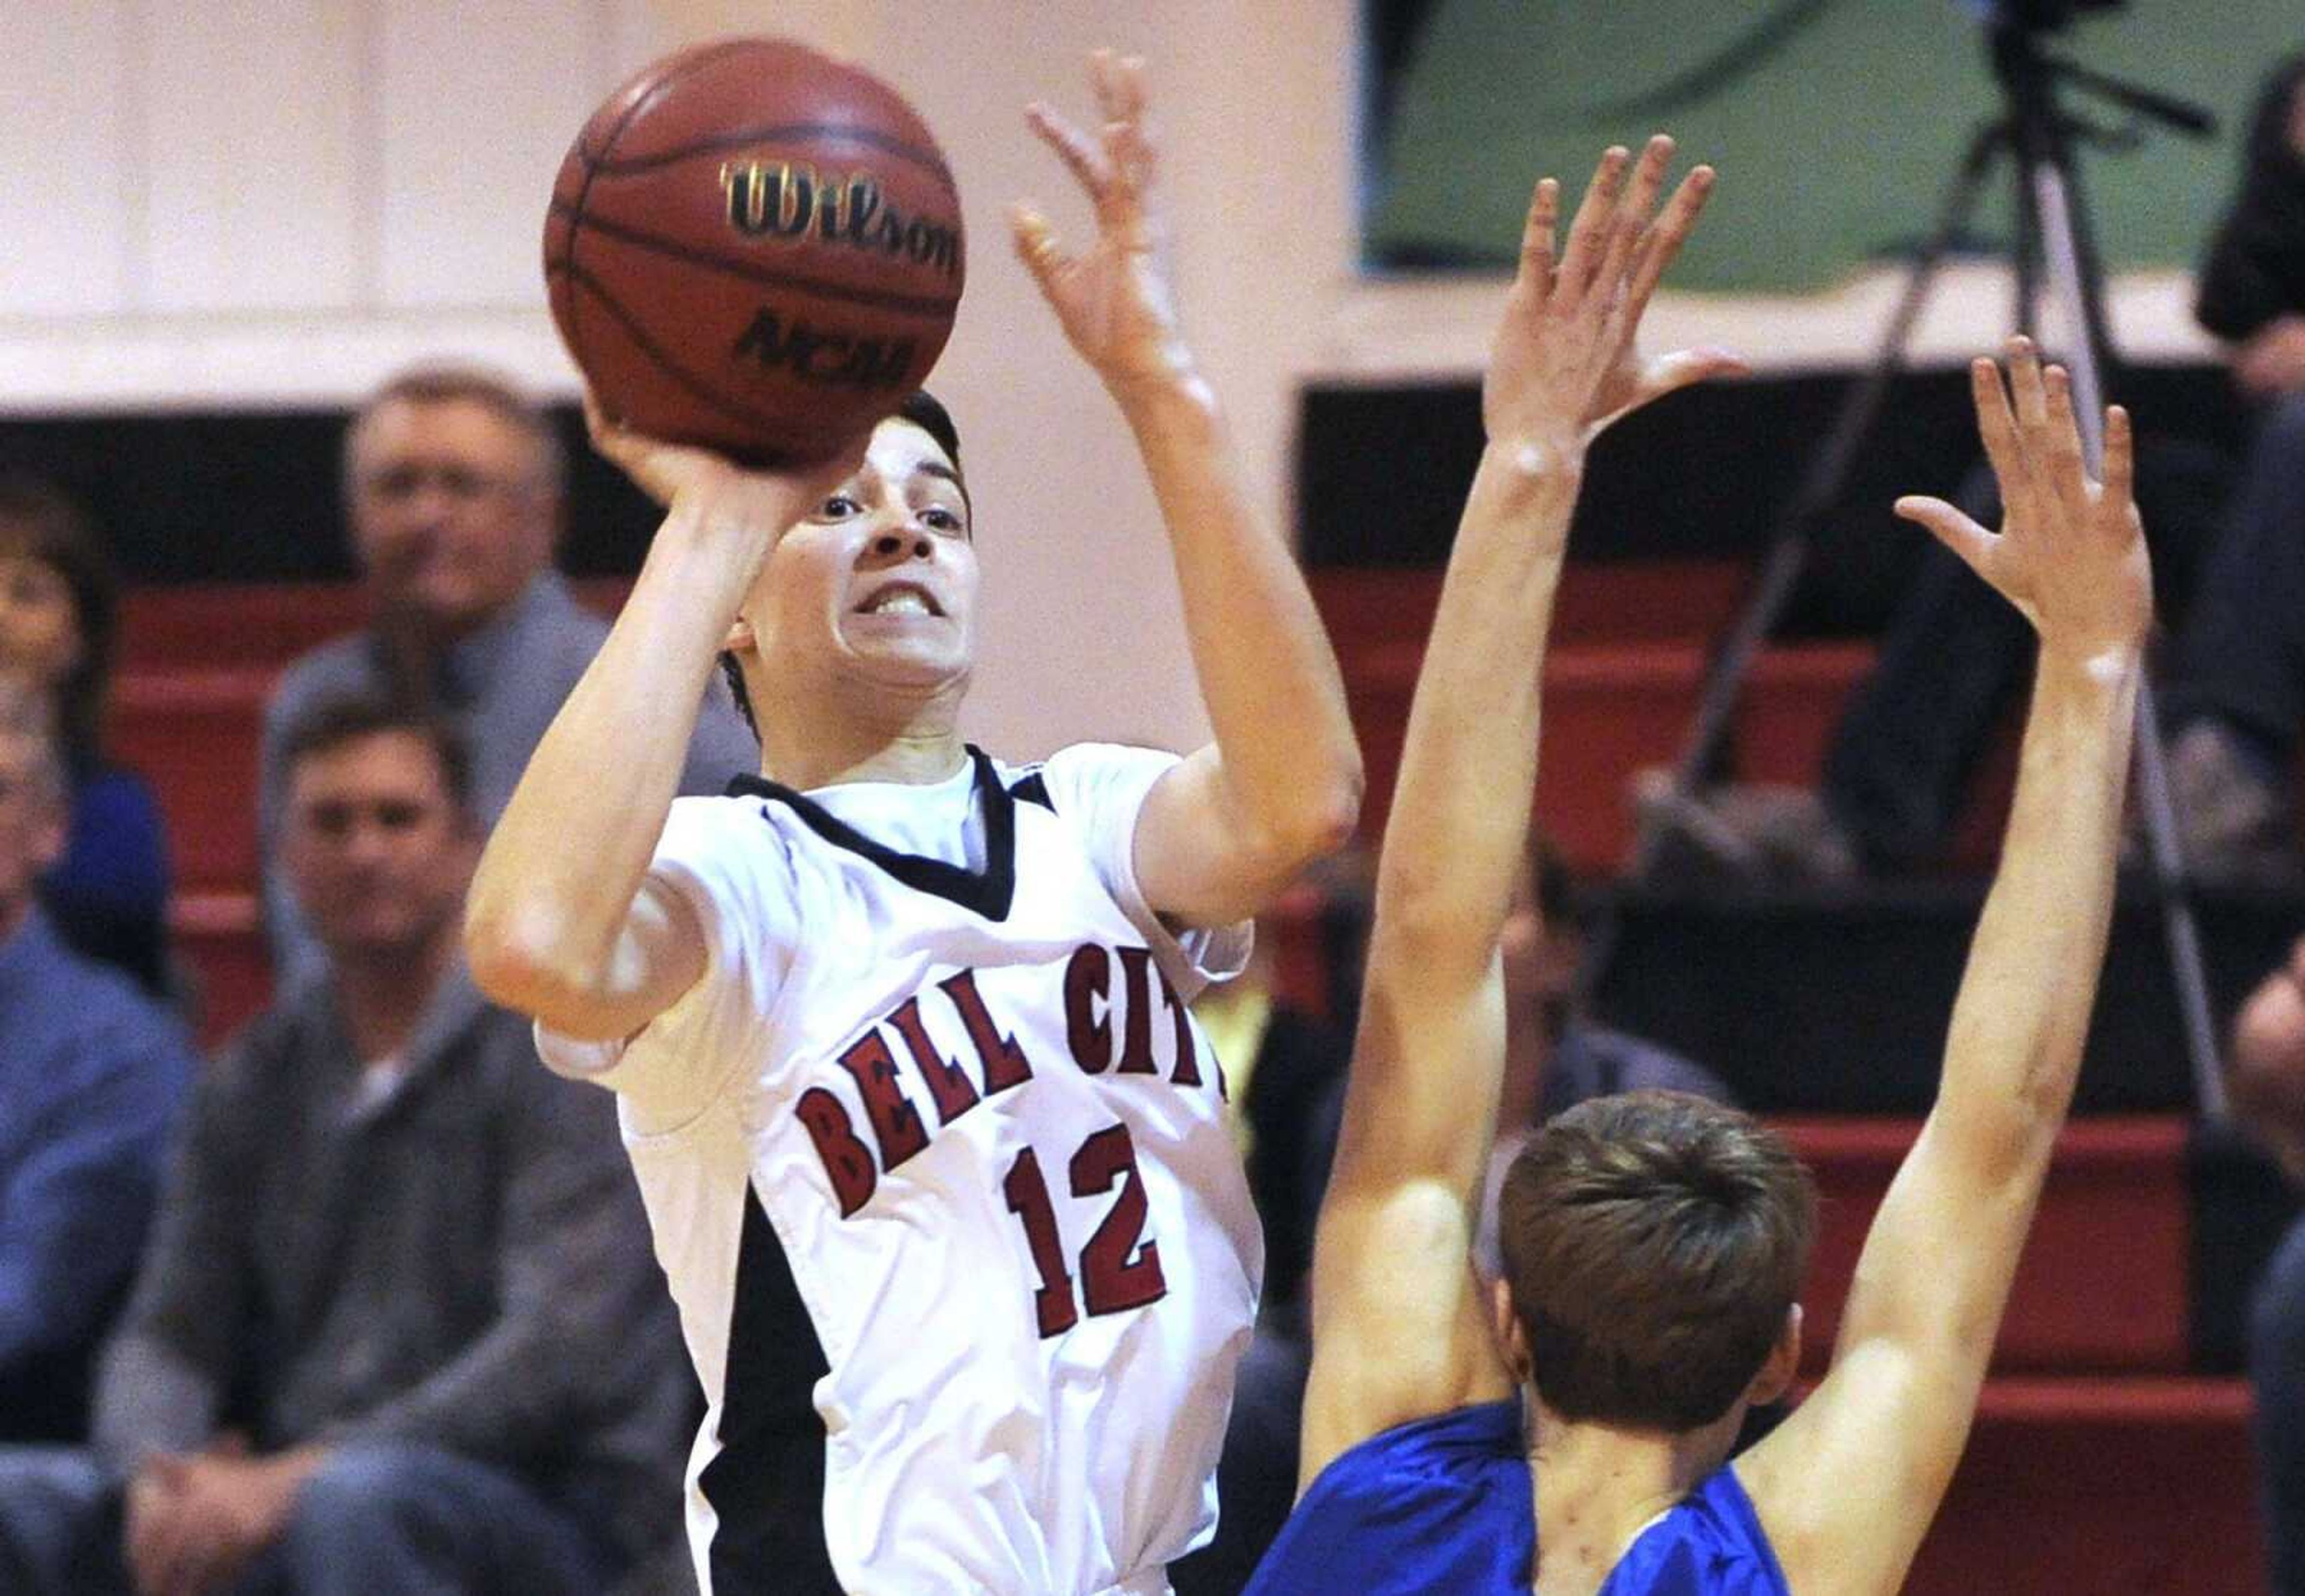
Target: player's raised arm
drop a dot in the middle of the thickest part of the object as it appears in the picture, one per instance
(1398, 1328)
(1848, 1485)
(1220, 835)
(558, 924)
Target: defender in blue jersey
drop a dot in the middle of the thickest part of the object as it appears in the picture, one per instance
(1566, 1429)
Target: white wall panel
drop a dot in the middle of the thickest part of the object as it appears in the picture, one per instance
(69, 202)
(478, 104)
(250, 136)
(638, 33)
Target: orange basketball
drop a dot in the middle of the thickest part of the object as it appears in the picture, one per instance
(755, 247)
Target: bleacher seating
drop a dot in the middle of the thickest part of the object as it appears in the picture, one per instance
(1622, 678)
(2098, 1462)
(2103, 1459)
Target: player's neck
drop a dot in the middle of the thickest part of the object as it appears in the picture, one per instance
(1598, 1487)
(914, 754)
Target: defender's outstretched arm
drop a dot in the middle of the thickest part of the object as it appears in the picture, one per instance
(1398, 1332)
(1848, 1485)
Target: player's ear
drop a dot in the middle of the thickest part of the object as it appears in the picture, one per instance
(1512, 1339)
(1783, 1362)
(740, 638)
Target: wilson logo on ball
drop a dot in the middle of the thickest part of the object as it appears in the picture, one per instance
(788, 201)
(834, 359)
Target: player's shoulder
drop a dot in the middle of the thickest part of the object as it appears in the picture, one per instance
(1437, 1503)
(735, 846)
(717, 819)
(1084, 775)
(1715, 1528)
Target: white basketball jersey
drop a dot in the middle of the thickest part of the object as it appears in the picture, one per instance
(935, 1161)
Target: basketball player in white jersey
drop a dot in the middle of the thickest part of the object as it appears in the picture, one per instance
(932, 1150)
(1566, 1431)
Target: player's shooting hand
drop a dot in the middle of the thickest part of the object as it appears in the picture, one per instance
(1564, 364)
(2071, 551)
(718, 493)
(1114, 299)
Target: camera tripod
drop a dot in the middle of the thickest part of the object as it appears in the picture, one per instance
(2054, 256)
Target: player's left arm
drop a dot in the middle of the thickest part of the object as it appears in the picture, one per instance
(1399, 1330)
(1222, 832)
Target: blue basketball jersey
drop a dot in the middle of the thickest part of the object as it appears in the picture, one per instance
(1445, 1504)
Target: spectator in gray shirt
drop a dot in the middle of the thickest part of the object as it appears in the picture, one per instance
(398, 1328)
(454, 483)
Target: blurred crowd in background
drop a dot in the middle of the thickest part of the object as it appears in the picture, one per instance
(365, 1302)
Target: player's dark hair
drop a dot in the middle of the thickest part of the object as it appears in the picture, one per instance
(734, 674)
(924, 411)
(1653, 1242)
(330, 723)
(39, 521)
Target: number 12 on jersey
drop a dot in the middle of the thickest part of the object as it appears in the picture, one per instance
(1115, 1273)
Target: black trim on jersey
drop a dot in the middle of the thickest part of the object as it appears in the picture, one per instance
(987, 894)
(767, 1485)
(1034, 789)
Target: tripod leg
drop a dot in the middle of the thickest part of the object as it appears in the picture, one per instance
(2073, 277)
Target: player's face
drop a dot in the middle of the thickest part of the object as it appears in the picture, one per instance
(374, 847)
(448, 514)
(880, 583)
(31, 825)
(40, 624)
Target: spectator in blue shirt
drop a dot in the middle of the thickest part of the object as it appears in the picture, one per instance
(106, 891)
(90, 1076)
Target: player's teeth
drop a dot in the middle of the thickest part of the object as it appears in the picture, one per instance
(910, 604)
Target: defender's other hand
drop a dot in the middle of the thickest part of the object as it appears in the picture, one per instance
(1114, 299)
(1564, 364)
(2070, 552)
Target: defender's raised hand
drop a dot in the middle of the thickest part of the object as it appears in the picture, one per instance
(1564, 363)
(2070, 552)
(1114, 299)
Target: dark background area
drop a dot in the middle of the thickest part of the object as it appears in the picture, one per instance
(1706, 473)
(254, 495)
(1382, 470)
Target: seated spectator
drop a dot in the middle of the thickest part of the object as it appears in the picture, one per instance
(107, 892)
(1280, 1064)
(454, 484)
(90, 1074)
(398, 1328)
(2237, 694)
(1555, 1057)
(1903, 755)
(2265, 1078)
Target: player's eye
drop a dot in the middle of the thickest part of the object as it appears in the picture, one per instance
(936, 518)
(839, 507)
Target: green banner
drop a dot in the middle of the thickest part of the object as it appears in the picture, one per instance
(1837, 124)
